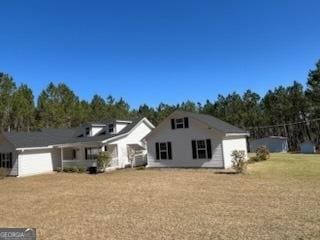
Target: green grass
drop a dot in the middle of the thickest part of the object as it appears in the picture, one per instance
(293, 166)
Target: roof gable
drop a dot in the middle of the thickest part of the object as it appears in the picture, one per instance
(207, 120)
(216, 123)
(130, 127)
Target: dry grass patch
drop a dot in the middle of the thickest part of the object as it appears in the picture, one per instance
(279, 199)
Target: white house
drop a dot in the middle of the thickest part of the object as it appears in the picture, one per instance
(187, 139)
(307, 147)
(273, 143)
(29, 153)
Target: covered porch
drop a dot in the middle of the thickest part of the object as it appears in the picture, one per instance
(85, 155)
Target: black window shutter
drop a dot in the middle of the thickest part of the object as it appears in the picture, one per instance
(169, 150)
(186, 122)
(10, 161)
(209, 151)
(86, 153)
(194, 150)
(173, 124)
(157, 151)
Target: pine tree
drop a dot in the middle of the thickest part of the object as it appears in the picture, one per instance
(23, 109)
(252, 115)
(313, 90)
(7, 88)
(98, 109)
(57, 107)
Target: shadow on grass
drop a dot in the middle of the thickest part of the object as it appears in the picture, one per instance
(227, 172)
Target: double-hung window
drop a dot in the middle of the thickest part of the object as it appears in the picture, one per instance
(201, 149)
(6, 160)
(92, 153)
(87, 131)
(163, 151)
(111, 128)
(178, 123)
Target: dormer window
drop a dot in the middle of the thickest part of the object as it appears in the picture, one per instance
(87, 131)
(178, 123)
(111, 128)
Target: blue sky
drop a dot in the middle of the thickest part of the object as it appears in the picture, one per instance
(159, 51)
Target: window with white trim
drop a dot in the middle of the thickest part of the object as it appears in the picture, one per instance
(111, 128)
(201, 149)
(92, 153)
(87, 131)
(179, 123)
(163, 151)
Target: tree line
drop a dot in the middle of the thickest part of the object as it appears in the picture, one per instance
(292, 111)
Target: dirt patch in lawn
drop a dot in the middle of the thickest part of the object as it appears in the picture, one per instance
(267, 203)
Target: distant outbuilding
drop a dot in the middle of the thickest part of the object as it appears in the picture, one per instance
(307, 147)
(273, 143)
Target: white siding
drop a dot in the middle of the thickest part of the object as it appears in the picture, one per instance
(120, 126)
(33, 162)
(56, 156)
(95, 130)
(231, 144)
(135, 137)
(181, 145)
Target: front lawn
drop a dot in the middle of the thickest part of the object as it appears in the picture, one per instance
(278, 199)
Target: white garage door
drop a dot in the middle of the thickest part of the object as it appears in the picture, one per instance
(35, 162)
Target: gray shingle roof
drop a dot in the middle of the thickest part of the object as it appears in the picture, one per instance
(215, 123)
(130, 126)
(39, 138)
(55, 136)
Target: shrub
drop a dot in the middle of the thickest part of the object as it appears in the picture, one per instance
(66, 169)
(81, 169)
(103, 160)
(239, 161)
(3, 173)
(262, 153)
(74, 169)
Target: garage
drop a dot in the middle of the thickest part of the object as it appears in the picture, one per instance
(30, 153)
(35, 162)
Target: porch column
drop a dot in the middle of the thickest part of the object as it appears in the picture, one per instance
(61, 152)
